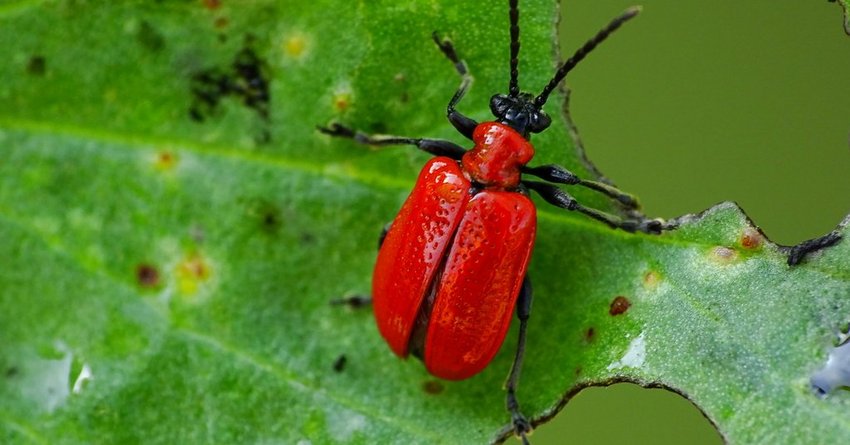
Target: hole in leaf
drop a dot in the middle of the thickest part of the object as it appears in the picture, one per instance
(627, 413)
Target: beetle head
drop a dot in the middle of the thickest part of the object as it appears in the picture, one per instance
(520, 113)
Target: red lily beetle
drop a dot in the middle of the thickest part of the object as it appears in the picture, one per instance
(452, 265)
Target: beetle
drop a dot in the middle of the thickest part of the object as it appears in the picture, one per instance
(451, 267)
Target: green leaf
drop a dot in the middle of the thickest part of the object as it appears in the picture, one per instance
(166, 278)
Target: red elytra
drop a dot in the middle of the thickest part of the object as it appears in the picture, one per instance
(462, 256)
(452, 267)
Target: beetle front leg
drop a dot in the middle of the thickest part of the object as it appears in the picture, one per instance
(560, 175)
(437, 147)
(521, 425)
(555, 196)
(463, 124)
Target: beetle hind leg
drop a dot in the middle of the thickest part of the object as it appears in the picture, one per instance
(359, 301)
(521, 425)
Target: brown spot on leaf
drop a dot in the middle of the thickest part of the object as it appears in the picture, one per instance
(165, 160)
(147, 275)
(589, 335)
(751, 238)
(341, 101)
(212, 4)
(221, 22)
(619, 305)
(432, 387)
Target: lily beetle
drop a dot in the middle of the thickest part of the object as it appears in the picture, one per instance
(451, 267)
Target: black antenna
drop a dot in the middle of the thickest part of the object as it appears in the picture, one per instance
(513, 88)
(582, 52)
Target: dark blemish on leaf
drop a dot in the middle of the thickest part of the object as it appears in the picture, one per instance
(433, 387)
(307, 238)
(246, 79)
(723, 254)
(221, 23)
(404, 97)
(37, 65)
(799, 252)
(147, 275)
(751, 238)
(268, 216)
(589, 335)
(150, 39)
(578, 371)
(339, 363)
(11, 371)
(619, 305)
(212, 4)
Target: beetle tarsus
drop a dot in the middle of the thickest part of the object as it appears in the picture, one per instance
(354, 301)
(463, 124)
(560, 175)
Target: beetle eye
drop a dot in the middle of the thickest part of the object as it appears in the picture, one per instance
(539, 122)
(499, 105)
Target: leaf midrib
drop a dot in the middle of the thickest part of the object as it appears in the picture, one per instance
(276, 369)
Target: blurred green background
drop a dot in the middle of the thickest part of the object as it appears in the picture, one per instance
(694, 103)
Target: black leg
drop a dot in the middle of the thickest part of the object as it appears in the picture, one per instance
(523, 310)
(560, 175)
(383, 234)
(462, 123)
(555, 196)
(437, 147)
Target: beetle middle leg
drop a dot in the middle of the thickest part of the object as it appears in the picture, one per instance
(560, 175)
(523, 310)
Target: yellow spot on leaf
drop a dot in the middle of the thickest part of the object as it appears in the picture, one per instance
(651, 279)
(295, 46)
(341, 101)
(192, 272)
(165, 160)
